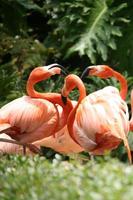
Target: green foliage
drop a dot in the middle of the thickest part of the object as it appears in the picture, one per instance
(124, 53)
(14, 15)
(26, 178)
(88, 27)
(17, 56)
(10, 84)
(21, 52)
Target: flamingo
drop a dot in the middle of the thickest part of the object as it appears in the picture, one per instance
(61, 142)
(99, 122)
(28, 119)
(104, 71)
(10, 146)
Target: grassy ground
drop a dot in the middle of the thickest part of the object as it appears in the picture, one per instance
(25, 178)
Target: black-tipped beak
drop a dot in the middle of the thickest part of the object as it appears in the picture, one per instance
(85, 73)
(64, 99)
(64, 72)
(55, 65)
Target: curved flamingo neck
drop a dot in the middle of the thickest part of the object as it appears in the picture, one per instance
(30, 88)
(54, 98)
(123, 84)
(82, 94)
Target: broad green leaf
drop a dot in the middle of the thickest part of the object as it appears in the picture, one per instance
(99, 33)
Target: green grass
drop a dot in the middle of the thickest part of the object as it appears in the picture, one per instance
(25, 178)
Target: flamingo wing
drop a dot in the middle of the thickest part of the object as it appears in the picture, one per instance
(102, 117)
(29, 115)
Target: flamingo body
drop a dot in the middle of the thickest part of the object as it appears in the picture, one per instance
(101, 120)
(36, 116)
(28, 119)
(60, 142)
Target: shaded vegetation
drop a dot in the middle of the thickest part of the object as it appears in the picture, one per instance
(76, 33)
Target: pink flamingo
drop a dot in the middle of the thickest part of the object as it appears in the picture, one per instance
(10, 146)
(99, 122)
(104, 71)
(29, 119)
(62, 142)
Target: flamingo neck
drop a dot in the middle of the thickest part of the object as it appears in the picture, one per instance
(123, 84)
(54, 98)
(77, 83)
(30, 88)
(71, 118)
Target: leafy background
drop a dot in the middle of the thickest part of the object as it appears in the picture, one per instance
(74, 33)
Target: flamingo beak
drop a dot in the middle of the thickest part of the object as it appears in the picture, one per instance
(89, 71)
(64, 99)
(54, 65)
(85, 73)
(64, 72)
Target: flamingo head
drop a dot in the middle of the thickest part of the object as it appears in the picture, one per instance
(67, 87)
(45, 72)
(72, 81)
(69, 84)
(102, 71)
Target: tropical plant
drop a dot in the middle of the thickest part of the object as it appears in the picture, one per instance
(87, 27)
(14, 15)
(124, 54)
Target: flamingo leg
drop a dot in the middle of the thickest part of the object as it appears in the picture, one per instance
(32, 147)
(24, 149)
